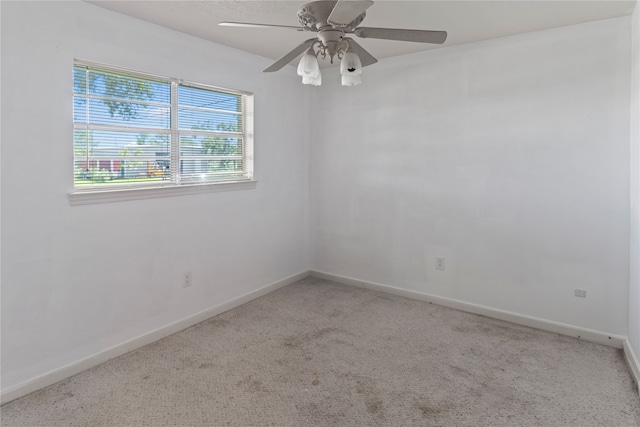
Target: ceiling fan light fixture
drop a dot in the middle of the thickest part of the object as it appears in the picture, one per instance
(308, 65)
(351, 79)
(315, 81)
(350, 64)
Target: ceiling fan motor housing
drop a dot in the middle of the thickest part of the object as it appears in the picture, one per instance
(315, 16)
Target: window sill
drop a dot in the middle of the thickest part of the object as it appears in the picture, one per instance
(122, 195)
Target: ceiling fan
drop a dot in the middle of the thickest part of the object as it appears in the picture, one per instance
(333, 21)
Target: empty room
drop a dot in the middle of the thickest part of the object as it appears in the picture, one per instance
(346, 212)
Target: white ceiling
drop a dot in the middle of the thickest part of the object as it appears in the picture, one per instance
(465, 21)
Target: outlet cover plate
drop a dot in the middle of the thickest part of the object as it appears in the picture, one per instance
(580, 293)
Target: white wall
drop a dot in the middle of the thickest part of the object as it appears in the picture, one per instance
(79, 279)
(508, 157)
(634, 283)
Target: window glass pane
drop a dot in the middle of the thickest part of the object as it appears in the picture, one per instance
(207, 120)
(206, 169)
(121, 100)
(80, 80)
(112, 143)
(125, 87)
(210, 146)
(203, 98)
(122, 113)
(101, 172)
(103, 157)
(79, 109)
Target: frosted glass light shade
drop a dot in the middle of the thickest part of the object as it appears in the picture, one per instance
(350, 64)
(351, 79)
(316, 81)
(308, 66)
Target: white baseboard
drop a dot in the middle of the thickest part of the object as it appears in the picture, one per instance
(590, 335)
(632, 361)
(64, 372)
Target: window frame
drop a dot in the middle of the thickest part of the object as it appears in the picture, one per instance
(174, 186)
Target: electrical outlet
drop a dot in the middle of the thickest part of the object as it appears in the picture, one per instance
(580, 293)
(187, 279)
(440, 263)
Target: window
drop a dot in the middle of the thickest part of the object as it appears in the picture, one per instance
(139, 131)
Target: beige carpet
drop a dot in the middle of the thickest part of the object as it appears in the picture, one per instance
(319, 353)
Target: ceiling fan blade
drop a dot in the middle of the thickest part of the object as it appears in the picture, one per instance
(421, 36)
(290, 56)
(365, 57)
(346, 11)
(250, 25)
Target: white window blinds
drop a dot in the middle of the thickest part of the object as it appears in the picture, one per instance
(137, 130)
